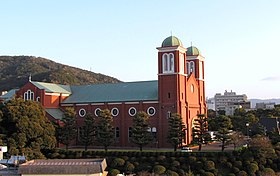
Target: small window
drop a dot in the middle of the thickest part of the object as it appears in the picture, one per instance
(82, 112)
(169, 95)
(38, 99)
(97, 112)
(129, 132)
(132, 111)
(117, 132)
(115, 112)
(151, 111)
(168, 114)
(192, 88)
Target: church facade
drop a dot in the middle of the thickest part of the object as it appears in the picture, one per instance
(180, 88)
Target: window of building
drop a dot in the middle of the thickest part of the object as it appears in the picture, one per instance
(168, 114)
(129, 133)
(192, 88)
(38, 99)
(115, 112)
(168, 63)
(82, 112)
(117, 132)
(132, 111)
(28, 95)
(97, 112)
(192, 67)
(151, 111)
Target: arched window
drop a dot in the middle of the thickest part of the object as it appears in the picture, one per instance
(192, 67)
(28, 95)
(97, 112)
(168, 63)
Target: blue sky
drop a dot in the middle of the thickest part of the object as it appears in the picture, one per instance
(239, 39)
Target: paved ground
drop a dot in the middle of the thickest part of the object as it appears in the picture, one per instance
(213, 147)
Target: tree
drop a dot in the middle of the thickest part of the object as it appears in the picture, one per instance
(241, 120)
(237, 138)
(68, 129)
(176, 130)
(105, 129)
(224, 124)
(200, 135)
(141, 135)
(88, 130)
(26, 128)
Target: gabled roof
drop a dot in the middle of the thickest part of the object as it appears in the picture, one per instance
(115, 92)
(9, 95)
(55, 113)
(63, 167)
(53, 88)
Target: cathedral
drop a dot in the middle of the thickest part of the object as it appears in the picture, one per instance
(180, 88)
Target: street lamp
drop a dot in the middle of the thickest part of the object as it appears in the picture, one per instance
(247, 127)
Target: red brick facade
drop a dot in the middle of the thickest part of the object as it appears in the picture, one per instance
(178, 92)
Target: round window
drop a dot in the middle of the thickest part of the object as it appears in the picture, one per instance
(97, 112)
(151, 111)
(115, 112)
(132, 111)
(82, 112)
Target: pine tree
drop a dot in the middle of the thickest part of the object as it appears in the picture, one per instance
(105, 129)
(141, 135)
(88, 131)
(224, 124)
(176, 130)
(200, 135)
(68, 129)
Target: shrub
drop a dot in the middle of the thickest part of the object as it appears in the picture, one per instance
(129, 167)
(231, 174)
(268, 172)
(192, 159)
(252, 168)
(118, 162)
(242, 173)
(172, 173)
(159, 169)
(208, 174)
(114, 172)
(209, 165)
(235, 170)
(238, 164)
(175, 163)
(161, 158)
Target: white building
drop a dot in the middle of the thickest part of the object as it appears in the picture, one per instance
(264, 105)
(230, 101)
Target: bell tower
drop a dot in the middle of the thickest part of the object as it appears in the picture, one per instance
(172, 78)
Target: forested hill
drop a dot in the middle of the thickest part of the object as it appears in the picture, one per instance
(15, 70)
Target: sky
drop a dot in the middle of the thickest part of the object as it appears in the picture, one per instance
(239, 39)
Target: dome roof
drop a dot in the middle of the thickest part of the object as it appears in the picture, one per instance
(171, 41)
(192, 51)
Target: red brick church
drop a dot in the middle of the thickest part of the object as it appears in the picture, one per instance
(180, 88)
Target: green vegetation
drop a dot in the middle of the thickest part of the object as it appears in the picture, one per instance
(200, 135)
(141, 135)
(88, 131)
(68, 130)
(105, 129)
(176, 130)
(25, 128)
(15, 70)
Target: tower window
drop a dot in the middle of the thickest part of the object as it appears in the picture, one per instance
(191, 67)
(168, 63)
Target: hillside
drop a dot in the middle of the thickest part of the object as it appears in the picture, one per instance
(15, 70)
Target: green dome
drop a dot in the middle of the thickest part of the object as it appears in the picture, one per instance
(192, 51)
(171, 41)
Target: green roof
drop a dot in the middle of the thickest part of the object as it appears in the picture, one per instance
(192, 51)
(53, 88)
(55, 113)
(171, 41)
(115, 92)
